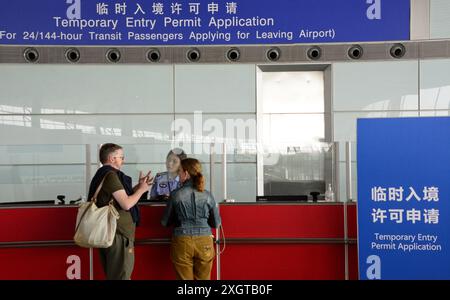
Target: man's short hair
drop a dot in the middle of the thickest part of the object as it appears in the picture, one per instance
(106, 150)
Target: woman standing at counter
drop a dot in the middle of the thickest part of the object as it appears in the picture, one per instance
(194, 212)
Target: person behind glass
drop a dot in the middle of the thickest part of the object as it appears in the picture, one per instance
(193, 211)
(118, 259)
(166, 182)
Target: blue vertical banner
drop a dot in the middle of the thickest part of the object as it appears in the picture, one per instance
(201, 22)
(404, 198)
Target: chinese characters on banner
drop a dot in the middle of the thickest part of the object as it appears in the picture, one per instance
(158, 8)
(403, 198)
(413, 215)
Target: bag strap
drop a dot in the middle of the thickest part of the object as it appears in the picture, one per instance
(93, 200)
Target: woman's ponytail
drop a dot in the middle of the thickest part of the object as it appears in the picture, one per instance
(199, 182)
(194, 168)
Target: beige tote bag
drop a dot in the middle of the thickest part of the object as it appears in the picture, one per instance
(96, 227)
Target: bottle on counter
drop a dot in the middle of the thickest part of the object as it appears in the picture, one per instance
(329, 194)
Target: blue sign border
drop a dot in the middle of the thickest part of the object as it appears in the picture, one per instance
(213, 22)
(403, 198)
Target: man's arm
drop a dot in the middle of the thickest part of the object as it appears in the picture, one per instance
(127, 202)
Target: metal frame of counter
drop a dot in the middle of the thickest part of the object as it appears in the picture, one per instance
(293, 240)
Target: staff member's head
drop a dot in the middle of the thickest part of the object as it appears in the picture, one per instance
(173, 160)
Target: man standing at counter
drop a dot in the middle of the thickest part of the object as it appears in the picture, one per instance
(118, 260)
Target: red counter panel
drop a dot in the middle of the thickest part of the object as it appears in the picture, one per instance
(283, 221)
(43, 263)
(150, 226)
(246, 255)
(282, 261)
(37, 224)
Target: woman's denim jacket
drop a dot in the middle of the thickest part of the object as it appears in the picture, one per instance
(192, 212)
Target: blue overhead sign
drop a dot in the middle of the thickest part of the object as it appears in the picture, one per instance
(201, 22)
(404, 198)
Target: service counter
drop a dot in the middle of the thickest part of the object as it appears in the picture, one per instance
(289, 240)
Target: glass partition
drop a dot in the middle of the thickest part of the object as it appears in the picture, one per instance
(42, 172)
(152, 157)
(303, 171)
(147, 111)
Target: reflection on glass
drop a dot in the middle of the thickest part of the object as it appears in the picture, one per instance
(434, 84)
(298, 170)
(6, 119)
(24, 121)
(295, 162)
(407, 102)
(41, 172)
(41, 182)
(435, 98)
